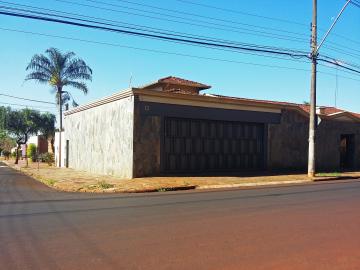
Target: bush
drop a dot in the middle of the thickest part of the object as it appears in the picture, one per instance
(6, 154)
(48, 158)
(32, 152)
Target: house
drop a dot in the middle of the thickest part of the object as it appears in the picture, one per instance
(171, 127)
(39, 141)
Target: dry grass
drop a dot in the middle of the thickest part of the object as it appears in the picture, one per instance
(72, 180)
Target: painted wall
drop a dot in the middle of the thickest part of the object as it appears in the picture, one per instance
(101, 138)
(63, 151)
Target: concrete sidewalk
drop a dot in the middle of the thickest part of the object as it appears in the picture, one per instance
(70, 180)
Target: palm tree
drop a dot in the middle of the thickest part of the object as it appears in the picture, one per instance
(59, 70)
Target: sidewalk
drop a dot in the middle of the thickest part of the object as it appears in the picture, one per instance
(70, 180)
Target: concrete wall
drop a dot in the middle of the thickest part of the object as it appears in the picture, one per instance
(147, 140)
(288, 143)
(101, 138)
(63, 149)
(328, 143)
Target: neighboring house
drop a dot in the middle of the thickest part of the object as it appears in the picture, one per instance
(39, 141)
(168, 127)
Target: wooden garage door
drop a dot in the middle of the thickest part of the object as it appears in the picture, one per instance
(192, 145)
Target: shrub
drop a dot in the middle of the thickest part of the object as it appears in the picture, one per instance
(6, 154)
(48, 158)
(31, 152)
(105, 185)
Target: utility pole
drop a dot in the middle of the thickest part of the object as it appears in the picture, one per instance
(312, 121)
(314, 56)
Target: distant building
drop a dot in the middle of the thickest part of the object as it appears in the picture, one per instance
(39, 141)
(169, 127)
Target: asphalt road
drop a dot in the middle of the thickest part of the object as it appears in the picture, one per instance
(313, 226)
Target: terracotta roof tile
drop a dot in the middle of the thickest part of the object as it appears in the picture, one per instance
(180, 81)
(306, 108)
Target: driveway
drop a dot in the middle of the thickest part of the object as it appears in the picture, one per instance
(314, 226)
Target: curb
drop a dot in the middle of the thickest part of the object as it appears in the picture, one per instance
(254, 184)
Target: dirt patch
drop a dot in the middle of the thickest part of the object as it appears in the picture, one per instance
(66, 179)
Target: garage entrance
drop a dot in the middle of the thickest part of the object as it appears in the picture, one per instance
(194, 145)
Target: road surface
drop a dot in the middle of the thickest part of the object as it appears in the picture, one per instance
(313, 226)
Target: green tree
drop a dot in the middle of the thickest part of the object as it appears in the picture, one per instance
(4, 112)
(31, 152)
(21, 125)
(59, 70)
(6, 142)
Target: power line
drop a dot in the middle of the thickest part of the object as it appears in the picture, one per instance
(241, 12)
(332, 48)
(233, 50)
(33, 100)
(151, 50)
(335, 63)
(144, 28)
(190, 41)
(259, 33)
(163, 37)
(260, 16)
(156, 36)
(174, 53)
(24, 105)
(248, 32)
(355, 3)
(200, 16)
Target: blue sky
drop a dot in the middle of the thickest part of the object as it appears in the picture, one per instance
(114, 65)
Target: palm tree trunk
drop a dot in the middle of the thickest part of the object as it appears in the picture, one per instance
(60, 122)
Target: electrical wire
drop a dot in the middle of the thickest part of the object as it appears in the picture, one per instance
(147, 35)
(241, 12)
(27, 99)
(174, 53)
(263, 34)
(201, 16)
(151, 50)
(330, 48)
(248, 32)
(260, 16)
(142, 28)
(24, 105)
(146, 28)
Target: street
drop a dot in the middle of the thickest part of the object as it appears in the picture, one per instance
(312, 226)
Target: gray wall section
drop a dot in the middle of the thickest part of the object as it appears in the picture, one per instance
(172, 110)
(148, 125)
(123, 139)
(147, 143)
(288, 143)
(328, 143)
(101, 138)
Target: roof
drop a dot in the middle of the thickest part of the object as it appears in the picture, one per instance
(325, 111)
(178, 81)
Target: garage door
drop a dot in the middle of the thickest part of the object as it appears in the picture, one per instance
(192, 145)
